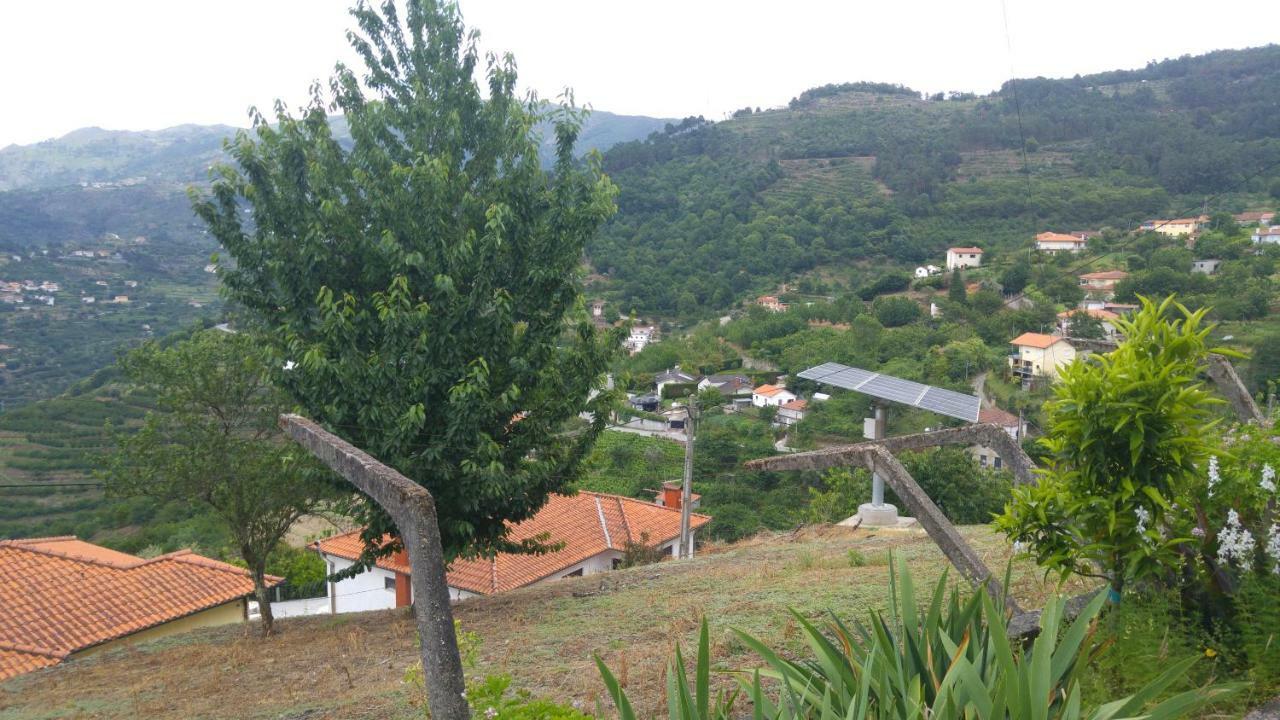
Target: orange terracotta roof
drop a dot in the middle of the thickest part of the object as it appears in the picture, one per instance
(59, 595)
(1058, 237)
(769, 390)
(796, 404)
(998, 417)
(1092, 312)
(1035, 340)
(1105, 275)
(587, 524)
(977, 250)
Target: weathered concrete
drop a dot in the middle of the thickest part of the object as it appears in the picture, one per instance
(1270, 711)
(413, 510)
(993, 436)
(1224, 375)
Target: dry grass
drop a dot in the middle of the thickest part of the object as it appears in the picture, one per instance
(352, 666)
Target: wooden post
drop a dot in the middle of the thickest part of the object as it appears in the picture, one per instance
(413, 510)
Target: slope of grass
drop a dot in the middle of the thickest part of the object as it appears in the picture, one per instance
(352, 666)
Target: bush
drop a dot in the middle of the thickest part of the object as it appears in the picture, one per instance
(947, 660)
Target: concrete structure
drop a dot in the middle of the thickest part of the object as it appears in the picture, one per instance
(771, 396)
(771, 303)
(925, 271)
(1247, 219)
(1014, 426)
(1102, 284)
(1039, 356)
(1206, 267)
(640, 337)
(728, 385)
(593, 531)
(1054, 243)
(791, 412)
(1266, 236)
(964, 257)
(674, 376)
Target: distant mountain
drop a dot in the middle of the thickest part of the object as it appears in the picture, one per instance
(182, 154)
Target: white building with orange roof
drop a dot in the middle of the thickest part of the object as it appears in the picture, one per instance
(1054, 243)
(62, 598)
(593, 532)
(771, 396)
(792, 412)
(964, 257)
(1105, 317)
(1040, 356)
(1012, 424)
(771, 303)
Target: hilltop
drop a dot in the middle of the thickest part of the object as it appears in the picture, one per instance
(861, 177)
(353, 666)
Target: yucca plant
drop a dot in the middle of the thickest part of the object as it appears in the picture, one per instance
(950, 660)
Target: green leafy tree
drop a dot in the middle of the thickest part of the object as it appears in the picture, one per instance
(956, 292)
(1127, 433)
(422, 282)
(1084, 325)
(213, 441)
(1264, 368)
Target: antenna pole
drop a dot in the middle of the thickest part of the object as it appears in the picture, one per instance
(686, 491)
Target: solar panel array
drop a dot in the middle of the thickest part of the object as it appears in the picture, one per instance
(888, 387)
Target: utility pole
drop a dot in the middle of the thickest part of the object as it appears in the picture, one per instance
(686, 492)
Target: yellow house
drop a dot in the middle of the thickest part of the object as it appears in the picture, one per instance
(62, 598)
(1036, 355)
(1177, 226)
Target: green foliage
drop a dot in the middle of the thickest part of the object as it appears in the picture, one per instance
(628, 464)
(895, 311)
(948, 659)
(214, 441)
(451, 303)
(1126, 434)
(956, 291)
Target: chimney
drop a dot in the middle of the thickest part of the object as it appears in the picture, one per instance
(671, 493)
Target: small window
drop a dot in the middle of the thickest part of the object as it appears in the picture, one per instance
(575, 573)
(389, 583)
(997, 462)
(617, 563)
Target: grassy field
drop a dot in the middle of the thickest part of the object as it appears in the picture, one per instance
(353, 666)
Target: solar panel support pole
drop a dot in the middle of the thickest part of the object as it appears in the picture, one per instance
(877, 482)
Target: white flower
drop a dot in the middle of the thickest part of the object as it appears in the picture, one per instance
(1019, 546)
(491, 712)
(1273, 547)
(1268, 482)
(290, 365)
(1214, 478)
(1197, 531)
(1144, 517)
(1235, 542)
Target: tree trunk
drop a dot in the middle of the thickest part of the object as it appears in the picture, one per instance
(263, 594)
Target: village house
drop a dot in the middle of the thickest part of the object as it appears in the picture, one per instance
(1266, 236)
(771, 396)
(640, 337)
(1102, 284)
(925, 271)
(674, 376)
(1248, 219)
(1105, 317)
(771, 303)
(1206, 267)
(791, 412)
(1054, 243)
(728, 385)
(1010, 423)
(62, 598)
(1039, 356)
(645, 403)
(120, 299)
(594, 531)
(1176, 227)
(964, 257)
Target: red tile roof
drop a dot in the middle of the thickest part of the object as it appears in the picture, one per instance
(1092, 312)
(1035, 340)
(59, 595)
(1058, 237)
(977, 250)
(1105, 275)
(796, 404)
(587, 524)
(998, 417)
(768, 390)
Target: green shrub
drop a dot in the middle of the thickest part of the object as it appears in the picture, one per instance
(948, 659)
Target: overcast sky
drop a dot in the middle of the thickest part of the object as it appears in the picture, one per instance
(147, 64)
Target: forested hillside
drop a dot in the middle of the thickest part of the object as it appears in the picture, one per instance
(870, 174)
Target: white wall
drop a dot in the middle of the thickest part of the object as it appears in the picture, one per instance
(366, 591)
(299, 608)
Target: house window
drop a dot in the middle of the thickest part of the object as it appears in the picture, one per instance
(997, 462)
(617, 563)
(389, 583)
(575, 573)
